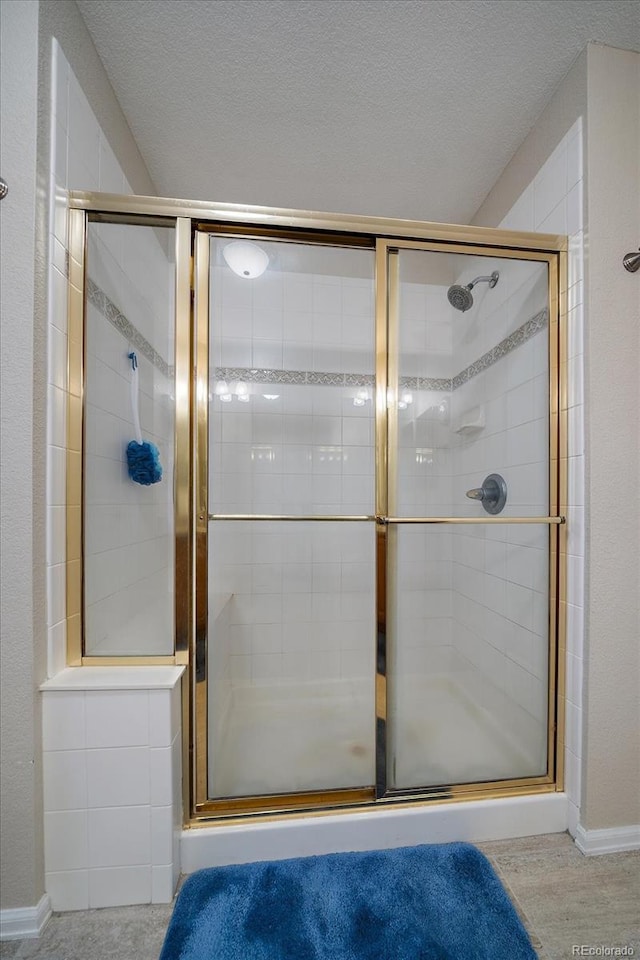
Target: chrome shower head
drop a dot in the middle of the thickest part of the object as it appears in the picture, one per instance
(460, 297)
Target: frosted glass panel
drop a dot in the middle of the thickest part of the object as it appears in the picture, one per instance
(290, 656)
(128, 526)
(292, 604)
(468, 655)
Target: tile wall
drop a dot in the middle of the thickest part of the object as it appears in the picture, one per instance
(112, 788)
(553, 203)
(302, 594)
(495, 579)
(128, 527)
(423, 583)
(112, 783)
(81, 159)
(500, 573)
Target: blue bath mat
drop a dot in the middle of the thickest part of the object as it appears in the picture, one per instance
(440, 902)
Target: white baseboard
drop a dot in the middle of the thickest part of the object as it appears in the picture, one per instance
(611, 840)
(25, 923)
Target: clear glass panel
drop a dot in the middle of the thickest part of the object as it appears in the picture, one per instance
(468, 654)
(473, 384)
(292, 382)
(128, 539)
(290, 656)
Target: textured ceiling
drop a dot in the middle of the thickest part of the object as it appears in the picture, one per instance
(401, 108)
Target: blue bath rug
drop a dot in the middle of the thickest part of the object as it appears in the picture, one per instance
(440, 902)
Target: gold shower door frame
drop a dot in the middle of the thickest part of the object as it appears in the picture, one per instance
(194, 222)
(386, 524)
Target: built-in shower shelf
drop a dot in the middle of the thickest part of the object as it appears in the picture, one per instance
(471, 422)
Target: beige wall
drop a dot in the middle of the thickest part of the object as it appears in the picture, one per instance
(604, 88)
(27, 29)
(21, 853)
(611, 775)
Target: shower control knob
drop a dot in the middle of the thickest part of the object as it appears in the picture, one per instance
(492, 493)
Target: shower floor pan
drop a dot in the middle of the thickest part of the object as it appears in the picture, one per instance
(286, 738)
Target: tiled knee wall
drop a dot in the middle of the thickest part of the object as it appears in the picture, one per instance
(112, 786)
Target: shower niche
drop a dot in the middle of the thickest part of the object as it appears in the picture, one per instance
(361, 623)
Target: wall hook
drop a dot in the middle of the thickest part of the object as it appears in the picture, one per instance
(631, 261)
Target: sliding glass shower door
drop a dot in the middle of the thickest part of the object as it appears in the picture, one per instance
(291, 544)
(468, 630)
(377, 511)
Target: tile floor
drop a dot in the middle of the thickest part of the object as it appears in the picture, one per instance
(565, 900)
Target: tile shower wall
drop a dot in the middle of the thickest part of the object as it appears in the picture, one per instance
(423, 582)
(109, 839)
(302, 594)
(303, 602)
(500, 573)
(500, 607)
(553, 202)
(80, 159)
(128, 529)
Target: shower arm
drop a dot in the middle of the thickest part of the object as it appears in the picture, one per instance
(492, 280)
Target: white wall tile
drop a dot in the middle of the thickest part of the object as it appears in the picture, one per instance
(56, 648)
(56, 587)
(162, 835)
(68, 889)
(120, 886)
(163, 884)
(110, 172)
(118, 777)
(119, 836)
(117, 718)
(556, 221)
(574, 209)
(65, 780)
(550, 185)
(63, 721)
(66, 840)
(163, 721)
(160, 760)
(574, 155)
(57, 359)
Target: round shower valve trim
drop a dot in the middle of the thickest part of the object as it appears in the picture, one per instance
(492, 493)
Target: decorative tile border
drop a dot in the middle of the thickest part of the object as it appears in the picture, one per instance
(108, 309)
(519, 336)
(296, 377)
(442, 384)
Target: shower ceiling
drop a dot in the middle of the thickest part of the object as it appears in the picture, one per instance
(398, 108)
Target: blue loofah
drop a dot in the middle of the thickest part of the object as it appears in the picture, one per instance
(143, 460)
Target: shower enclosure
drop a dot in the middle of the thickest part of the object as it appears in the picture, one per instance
(368, 483)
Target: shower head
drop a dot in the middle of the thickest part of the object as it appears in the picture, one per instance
(460, 297)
